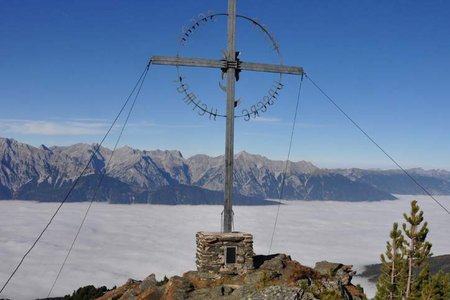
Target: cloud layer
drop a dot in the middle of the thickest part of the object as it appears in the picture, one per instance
(53, 128)
(131, 241)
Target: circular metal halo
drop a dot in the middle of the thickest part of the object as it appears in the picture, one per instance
(255, 109)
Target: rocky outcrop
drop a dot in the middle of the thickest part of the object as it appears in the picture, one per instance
(273, 277)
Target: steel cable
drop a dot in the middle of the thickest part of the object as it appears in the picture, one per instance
(283, 180)
(99, 182)
(378, 146)
(76, 180)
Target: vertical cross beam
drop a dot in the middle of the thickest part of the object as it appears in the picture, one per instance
(230, 65)
(229, 139)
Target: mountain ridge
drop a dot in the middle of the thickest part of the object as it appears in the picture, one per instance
(28, 172)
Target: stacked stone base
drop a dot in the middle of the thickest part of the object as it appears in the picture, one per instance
(211, 248)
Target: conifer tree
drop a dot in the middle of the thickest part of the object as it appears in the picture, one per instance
(437, 288)
(405, 271)
(391, 284)
(417, 250)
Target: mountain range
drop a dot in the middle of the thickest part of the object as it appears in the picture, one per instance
(166, 177)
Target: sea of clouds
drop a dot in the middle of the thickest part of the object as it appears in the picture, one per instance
(119, 242)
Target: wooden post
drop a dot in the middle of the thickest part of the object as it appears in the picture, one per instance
(229, 139)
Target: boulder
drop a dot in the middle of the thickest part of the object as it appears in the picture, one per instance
(148, 283)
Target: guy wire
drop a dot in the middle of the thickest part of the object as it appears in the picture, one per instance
(283, 180)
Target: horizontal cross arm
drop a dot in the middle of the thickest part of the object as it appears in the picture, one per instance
(222, 64)
(271, 68)
(188, 62)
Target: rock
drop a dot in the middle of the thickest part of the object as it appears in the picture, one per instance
(355, 292)
(148, 283)
(327, 268)
(276, 263)
(132, 281)
(273, 277)
(129, 295)
(226, 290)
(340, 272)
(177, 288)
(278, 293)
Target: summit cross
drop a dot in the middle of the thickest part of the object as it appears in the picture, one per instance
(231, 65)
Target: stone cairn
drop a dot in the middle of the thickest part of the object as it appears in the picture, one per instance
(211, 249)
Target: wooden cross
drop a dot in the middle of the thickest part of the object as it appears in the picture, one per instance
(232, 66)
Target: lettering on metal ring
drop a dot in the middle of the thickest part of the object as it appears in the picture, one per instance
(191, 99)
(202, 108)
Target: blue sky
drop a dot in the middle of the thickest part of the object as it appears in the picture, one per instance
(66, 68)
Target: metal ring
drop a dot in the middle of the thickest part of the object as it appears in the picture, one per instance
(202, 108)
